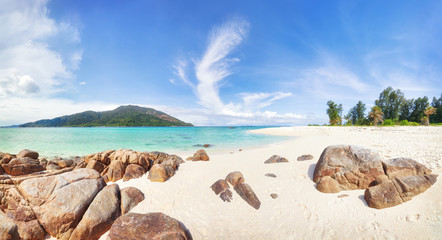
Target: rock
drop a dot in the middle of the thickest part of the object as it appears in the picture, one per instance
(130, 197)
(235, 178)
(96, 165)
(141, 159)
(115, 171)
(27, 153)
(399, 167)
(305, 157)
(6, 158)
(31, 230)
(15, 206)
(156, 157)
(398, 190)
(274, 195)
(246, 193)
(207, 145)
(270, 175)
(1, 170)
(52, 166)
(173, 161)
(221, 188)
(352, 167)
(43, 162)
(160, 173)
(22, 166)
(133, 171)
(65, 163)
(59, 201)
(276, 159)
(200, 155)
(81, 164)
(101, 214)
(8, 229)
(328, 185)
(148, 226)
(343, 196)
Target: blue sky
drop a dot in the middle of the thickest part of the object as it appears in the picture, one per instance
(214, 62)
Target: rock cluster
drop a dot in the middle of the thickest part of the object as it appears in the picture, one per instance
(236, 179)
(126, 164)
(65, 204)
(200, 155)
(387, 183)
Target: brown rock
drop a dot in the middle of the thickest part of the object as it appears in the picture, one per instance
(1, 170)
(59, 201)
(399, 167)
(15, 206)
(352, 167)
(156, 157)
(8, 229)
(52, 166)
(6, 158)
(160, 173)
(200, 155)
(65, 163)
(27, 153)
(221, 187)
(133, 226)
(141, 159)
(235, 178)
(22, 166)
(276, 159)
(328, 185)
(31, 230)
(246, 193)
(101, 214)
(173, 161)
(130, 197)
(115, 171)
(305, 157)
(81, 164)
(398, 190)
(274, 195)
(96, 165)
(133, 171)
(270, 175)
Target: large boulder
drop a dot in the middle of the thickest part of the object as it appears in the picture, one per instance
(160, 173)
(399, 167)
(200, 155)
(8, 229)
(398, 190)
(276, 159)
(115, 171)
(27, 153)
(6, 158)
(96, 165)
(352, 167)
(59, 201)
(246, 193)
(130, 197)
(134, 226)
(133, 171)
(101, 214)
(22, 166)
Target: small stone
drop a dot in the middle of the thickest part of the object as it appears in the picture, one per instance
(305, 157)
(270, 175)
(274, 195)
(276, 159)
(343, 195)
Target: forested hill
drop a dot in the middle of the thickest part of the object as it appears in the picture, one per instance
(123, 116)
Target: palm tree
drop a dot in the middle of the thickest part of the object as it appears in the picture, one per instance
(376, 115)
(429, 111)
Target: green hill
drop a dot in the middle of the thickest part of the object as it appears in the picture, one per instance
(123, 116)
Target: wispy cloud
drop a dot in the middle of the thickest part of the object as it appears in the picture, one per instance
(212, 69)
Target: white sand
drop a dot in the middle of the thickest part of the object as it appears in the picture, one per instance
(300, 211)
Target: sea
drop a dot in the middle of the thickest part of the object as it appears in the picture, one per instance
(68, 142)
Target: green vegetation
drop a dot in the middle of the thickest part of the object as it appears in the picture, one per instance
(123, 116)
(334, 112)
(391, 108)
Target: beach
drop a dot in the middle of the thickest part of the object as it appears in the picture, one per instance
(300, 211)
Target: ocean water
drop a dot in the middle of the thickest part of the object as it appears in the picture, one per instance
(68, 142)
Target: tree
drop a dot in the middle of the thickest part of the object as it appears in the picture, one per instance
(357, 114)
(429, 111)
(390, 102)
(437, 103)
(334, 112)
(406, 110)
(419, 106)
(376, 115)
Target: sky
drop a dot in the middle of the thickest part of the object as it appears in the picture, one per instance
(214, 63)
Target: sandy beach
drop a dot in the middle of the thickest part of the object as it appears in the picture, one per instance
(300, 211)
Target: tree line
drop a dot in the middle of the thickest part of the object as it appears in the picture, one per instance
(391, 108)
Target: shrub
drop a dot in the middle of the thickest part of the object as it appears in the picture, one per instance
(388, 122)
(405, 123)
(414, 124)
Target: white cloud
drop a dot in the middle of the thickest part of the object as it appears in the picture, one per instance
(82, 83)
(27, 62)
(180, 71)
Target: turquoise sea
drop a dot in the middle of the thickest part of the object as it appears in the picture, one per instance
(68, 142)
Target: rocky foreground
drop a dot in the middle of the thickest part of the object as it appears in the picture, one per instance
(74, 198)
